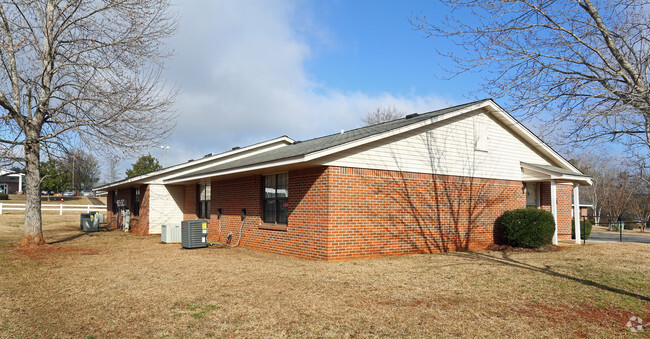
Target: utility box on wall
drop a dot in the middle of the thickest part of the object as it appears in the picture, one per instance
(170, 234)
(194, 233)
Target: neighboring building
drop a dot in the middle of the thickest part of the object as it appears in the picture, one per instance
(11, 182)
(432, 182)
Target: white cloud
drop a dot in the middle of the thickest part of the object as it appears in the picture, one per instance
(240, 66)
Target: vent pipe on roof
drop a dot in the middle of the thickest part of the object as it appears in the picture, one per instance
(235, 148)
(411, 116)
(342, 131)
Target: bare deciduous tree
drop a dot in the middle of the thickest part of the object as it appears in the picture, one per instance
(80, 73)
(585, 62)
(382, 114)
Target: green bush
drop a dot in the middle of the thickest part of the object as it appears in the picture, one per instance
(528, 227)
(585, 229)
(4, 196)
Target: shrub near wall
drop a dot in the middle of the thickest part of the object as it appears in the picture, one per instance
(4, 196)
(528, 227)
(585, 229)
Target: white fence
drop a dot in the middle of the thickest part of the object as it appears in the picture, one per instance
(54, 207)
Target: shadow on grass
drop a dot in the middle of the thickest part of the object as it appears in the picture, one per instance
(508, 261)
(69, 238)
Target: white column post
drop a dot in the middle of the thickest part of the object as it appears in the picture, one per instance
(554, 208)
(20, 183)
(0, 208)
(576, 211)
(61, 209)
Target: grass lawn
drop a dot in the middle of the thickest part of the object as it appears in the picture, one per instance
(112, 284)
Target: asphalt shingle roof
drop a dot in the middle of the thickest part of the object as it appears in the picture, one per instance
(302, 148)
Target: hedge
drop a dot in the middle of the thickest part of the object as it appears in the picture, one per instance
(528, 227)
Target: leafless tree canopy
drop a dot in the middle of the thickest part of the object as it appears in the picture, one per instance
(584, 61)
(382, 114)
(81, 73)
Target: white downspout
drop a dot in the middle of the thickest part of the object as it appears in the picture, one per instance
(576, 211)
(554, 208)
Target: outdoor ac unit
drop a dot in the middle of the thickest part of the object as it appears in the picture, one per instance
(170, 234)
(194, 233)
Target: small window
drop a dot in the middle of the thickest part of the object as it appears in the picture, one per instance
(532, 194)
(135, 201)
(276, 199)
(204, 191)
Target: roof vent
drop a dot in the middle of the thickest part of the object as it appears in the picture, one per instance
(297, 142)
(235, 148)
(208, 155)
(342, 131)
(190, 160)
(411, 116)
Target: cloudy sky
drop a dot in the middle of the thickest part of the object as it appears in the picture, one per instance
(249, 71)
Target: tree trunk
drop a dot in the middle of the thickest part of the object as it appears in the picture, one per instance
(33, 229)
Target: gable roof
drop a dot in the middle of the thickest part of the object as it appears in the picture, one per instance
(305, 151)
(200, 163)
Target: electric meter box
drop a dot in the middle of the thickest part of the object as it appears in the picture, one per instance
(194, 233)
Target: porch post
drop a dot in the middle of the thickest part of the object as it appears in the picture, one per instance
(554, 208)
(576, 211)
(20, 183)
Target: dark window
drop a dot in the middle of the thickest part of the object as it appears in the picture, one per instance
(135, 201)
(115, 201)
(204, 191)
(532, 194)
(276, 199)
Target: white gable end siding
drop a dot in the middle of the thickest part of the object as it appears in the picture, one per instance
(165, 206)
(448, 148)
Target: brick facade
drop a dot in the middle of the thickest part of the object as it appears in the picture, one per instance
(564, 208)
(139, 224)
(340, 213)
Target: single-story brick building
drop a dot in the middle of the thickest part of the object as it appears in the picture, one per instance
(11, 182)
(431, 182)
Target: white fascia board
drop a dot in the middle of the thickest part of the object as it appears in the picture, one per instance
(335, 149)
(558, 176)
(372, 138)
(283, 162)
(281, 140)
(530, 137)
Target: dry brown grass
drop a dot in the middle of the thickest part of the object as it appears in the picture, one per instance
(112, 284)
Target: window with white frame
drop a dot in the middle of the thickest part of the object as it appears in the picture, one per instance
(532, 194)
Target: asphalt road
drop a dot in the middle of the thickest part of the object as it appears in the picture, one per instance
(611, 236)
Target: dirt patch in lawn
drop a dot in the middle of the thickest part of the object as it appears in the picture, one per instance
(116, 284)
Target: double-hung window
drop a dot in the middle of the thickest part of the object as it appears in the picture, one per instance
(135, 201)
(204, 191)
(276, 199)
(532, 194)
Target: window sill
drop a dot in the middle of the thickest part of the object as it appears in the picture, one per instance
(273, 227)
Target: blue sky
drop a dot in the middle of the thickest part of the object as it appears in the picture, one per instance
(248, 71)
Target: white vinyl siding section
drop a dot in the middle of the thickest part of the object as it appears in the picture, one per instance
(165, 206)
(449, 148)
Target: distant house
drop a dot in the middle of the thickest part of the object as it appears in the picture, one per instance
(432, 182)
(11, 182)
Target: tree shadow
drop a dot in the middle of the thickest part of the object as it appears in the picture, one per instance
(441, 212)
(506, 260)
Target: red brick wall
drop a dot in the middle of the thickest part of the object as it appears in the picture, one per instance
(342, 213)
(139, 224)
(564, 209)
(375, 213)
(305, 234)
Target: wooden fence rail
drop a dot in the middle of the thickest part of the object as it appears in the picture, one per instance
(54, 207)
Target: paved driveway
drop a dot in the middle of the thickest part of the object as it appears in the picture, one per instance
(611, 236)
